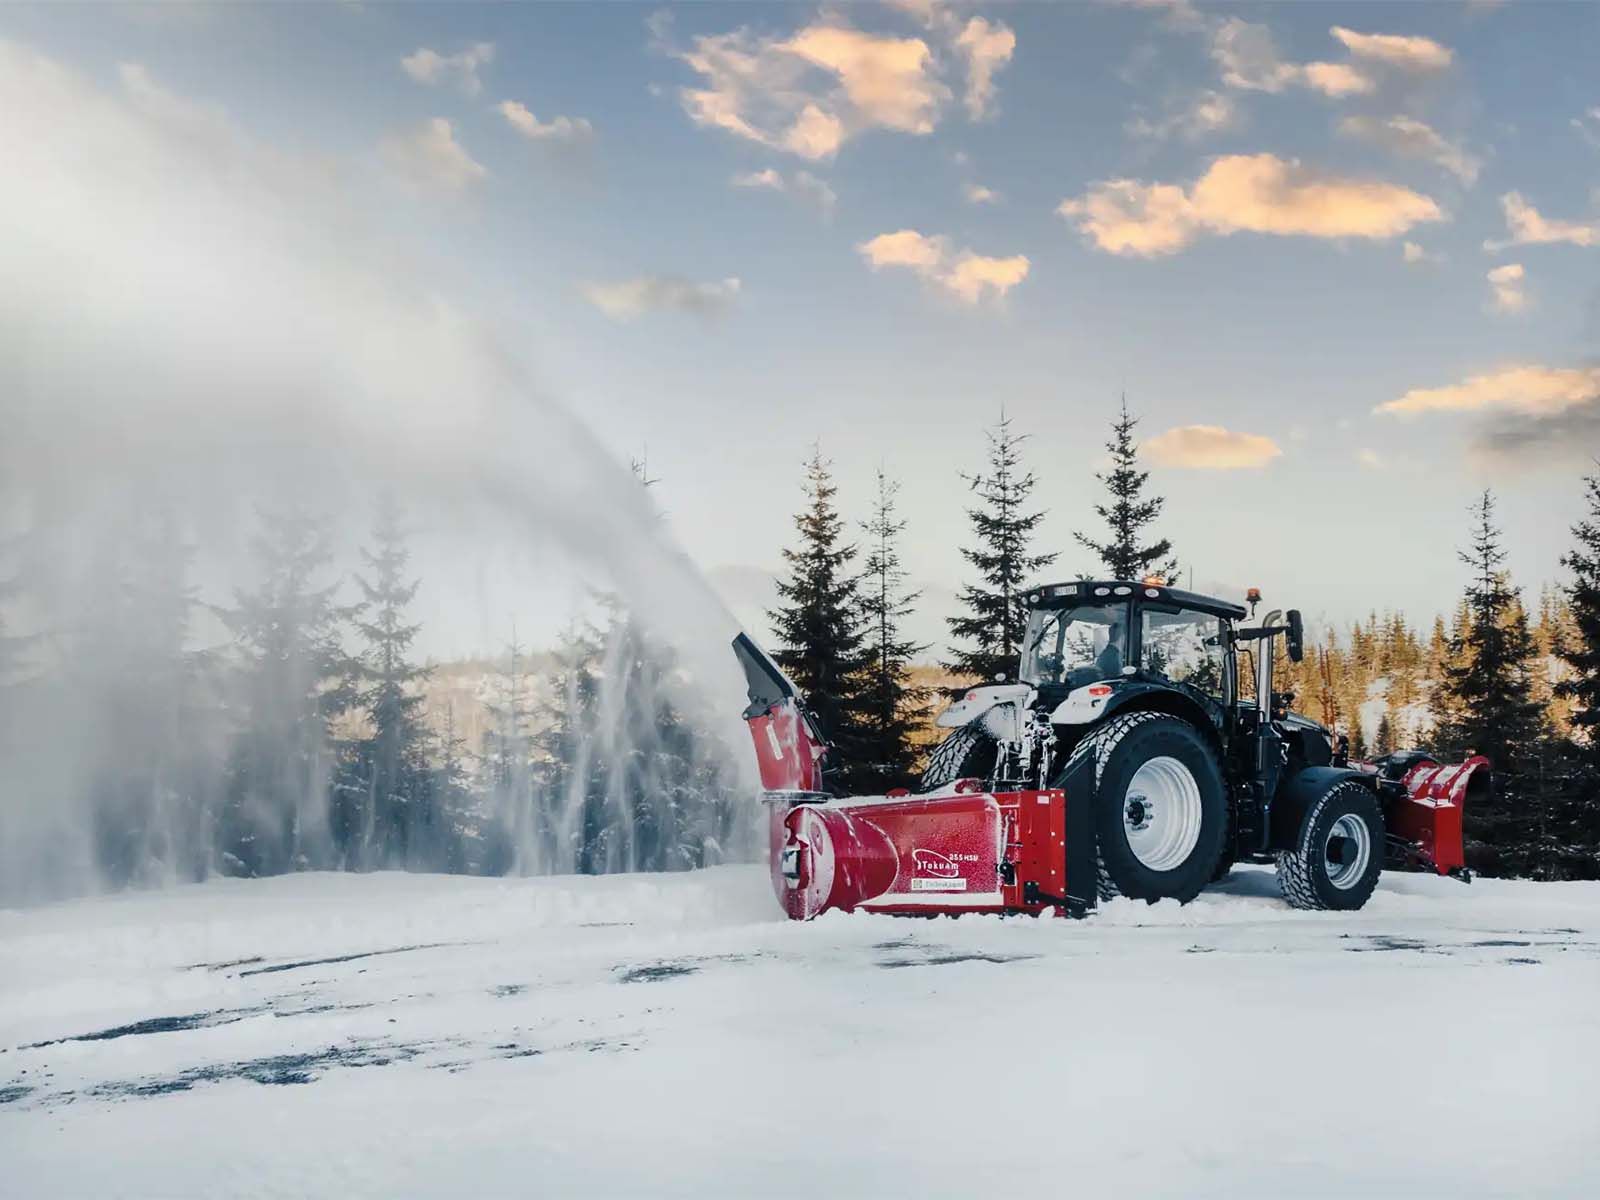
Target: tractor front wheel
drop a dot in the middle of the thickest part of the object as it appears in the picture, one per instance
(968, 753)
(1160, 808)
(1338, 851)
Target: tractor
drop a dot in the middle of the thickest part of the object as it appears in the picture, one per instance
(1141, 751)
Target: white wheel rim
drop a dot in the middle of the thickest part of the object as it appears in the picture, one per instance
(1161, 813)
(1349, 837)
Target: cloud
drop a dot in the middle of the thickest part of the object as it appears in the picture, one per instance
(1249, 60)
(1527, 389)
(1257, 193)
(987, 48)
(977, 193)
(557, 129)
(629, 298)
(1535, 413)
(1413, 253)
(888, 80)
(431, 68)
(1248, 57)
(1419, 54)
(1528, 227)
(1369, 458)
(1125, 216)
(967, 276)
(1568, 436)
(1264, 194)
(972, 276)
(1588, 126)
(1335, 79)
(1506, 284)
(982, 47)
(1180, 16)
(1209, 112)
(1211, 448)
(801, 185)
(1411, 138)
(809, 93)
(906, 248)
(815, 192)
(768, 178)
(429, 154)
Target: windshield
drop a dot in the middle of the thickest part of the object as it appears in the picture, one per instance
(1184, 646)
(1075, 646)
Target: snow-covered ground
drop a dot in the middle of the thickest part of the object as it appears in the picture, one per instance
(399, 1035)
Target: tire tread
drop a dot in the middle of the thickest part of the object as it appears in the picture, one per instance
(1295, 866)
(949, 756)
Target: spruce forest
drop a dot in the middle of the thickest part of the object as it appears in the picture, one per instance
(313, 737)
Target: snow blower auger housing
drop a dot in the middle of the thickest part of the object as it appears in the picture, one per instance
(1132, 756)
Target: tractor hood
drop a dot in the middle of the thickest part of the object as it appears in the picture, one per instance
(976, 701)
(1300, 721)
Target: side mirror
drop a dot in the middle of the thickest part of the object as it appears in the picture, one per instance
(1295, 643)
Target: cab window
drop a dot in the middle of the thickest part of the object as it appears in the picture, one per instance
(1184, 646)
(1075, 646)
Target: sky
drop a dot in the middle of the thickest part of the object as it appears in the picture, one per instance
(1342, 260)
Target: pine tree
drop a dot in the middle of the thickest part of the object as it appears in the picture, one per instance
(667, 795)
(146, 697)
(632, 778)
(507, 767)
(997, 611)
(293, 677)
(1570, 803)
(1580, 650)
(822, 644)
(1404, 660)
(1329, 675)
(1128, 512)
(474, 843)
(571, 829)
(1492, 711)
(387, 815)
(889, 700)
(1438, 648)
(1384, 740)
(1356, 732)
(1553, 631)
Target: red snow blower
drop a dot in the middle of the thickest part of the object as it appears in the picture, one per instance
(1141, 753)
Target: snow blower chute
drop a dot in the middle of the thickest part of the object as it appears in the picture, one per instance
(1132, 757)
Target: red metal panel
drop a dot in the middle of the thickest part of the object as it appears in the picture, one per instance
(1042, 853)
(787, 756)
(831, 858)
(1430, 816)
(922, 855)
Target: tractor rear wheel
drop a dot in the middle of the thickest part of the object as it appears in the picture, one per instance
(1160, 807)
(1338, 851)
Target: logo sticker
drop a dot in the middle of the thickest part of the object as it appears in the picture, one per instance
(936, 872)
(931, 862)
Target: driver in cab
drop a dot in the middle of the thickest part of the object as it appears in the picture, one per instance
(1109, 661)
